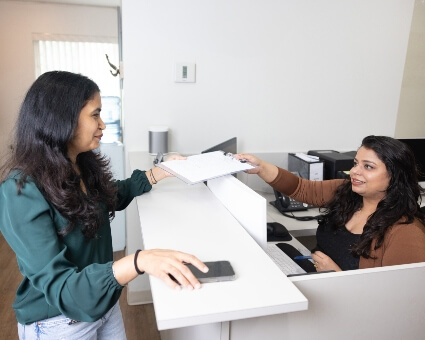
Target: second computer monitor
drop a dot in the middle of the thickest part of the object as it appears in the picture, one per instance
(417, 145)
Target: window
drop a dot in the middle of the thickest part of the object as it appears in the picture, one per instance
(86, 55)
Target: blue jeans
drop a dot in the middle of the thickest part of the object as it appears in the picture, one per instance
(110, 326)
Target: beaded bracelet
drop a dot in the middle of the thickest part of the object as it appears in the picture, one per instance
(135, 262)
(153, 177)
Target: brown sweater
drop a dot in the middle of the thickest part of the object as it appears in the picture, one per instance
(403, 243)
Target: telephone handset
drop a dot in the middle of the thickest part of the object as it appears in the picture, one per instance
(285, 204)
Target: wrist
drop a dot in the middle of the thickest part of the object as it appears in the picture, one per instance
(267, 171)
(151, 177)
(136, 266)
(159, 174)
(262, 169)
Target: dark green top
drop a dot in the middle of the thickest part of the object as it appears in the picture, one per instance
(62, 275)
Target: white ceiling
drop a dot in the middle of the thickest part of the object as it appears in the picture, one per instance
(108, 3)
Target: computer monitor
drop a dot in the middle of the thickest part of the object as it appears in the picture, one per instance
(228, 146)
(417, 145)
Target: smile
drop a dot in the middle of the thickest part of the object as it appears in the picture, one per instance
(356, 182)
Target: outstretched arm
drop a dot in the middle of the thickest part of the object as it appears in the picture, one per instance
(265, 170)
(157, 174)
(160, 263)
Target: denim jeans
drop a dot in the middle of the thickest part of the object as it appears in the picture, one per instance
(110, 326)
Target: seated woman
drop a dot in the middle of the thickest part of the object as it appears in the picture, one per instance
(371, 220)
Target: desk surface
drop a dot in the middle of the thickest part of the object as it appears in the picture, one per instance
(177, 216)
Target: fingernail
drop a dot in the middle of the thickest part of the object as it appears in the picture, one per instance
(197, 286)
(206, 269)
(190, 287)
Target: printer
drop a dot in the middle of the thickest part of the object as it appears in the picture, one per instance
(337, 164)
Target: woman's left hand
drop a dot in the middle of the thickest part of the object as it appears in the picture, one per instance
(323, 262)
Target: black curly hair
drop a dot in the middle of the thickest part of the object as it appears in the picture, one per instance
(46, 123)
(401, 201)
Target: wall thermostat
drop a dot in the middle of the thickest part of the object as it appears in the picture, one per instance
(185, 73)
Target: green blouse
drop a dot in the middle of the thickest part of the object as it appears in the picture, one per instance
(62, 275)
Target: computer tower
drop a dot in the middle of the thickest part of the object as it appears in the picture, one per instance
(335, 162)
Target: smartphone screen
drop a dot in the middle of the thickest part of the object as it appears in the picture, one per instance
(218, 271)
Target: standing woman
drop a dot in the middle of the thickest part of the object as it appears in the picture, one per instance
(371, 220)
(57, 197)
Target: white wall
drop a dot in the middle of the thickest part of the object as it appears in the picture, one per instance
(18, 21)
(281, 75)
(284, 75)
(411, 112)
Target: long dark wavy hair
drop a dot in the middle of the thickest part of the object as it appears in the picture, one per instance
(401, 201)
(46, 123)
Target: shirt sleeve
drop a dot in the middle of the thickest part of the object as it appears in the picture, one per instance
(405, 244)
(316, 193)
(132, 187)
(27, 223)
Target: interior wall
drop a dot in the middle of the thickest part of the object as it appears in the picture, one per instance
(411, 112)
(281, 75)
(270, 103)
(18, 21)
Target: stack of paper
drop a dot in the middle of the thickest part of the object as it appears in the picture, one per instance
(203, 167)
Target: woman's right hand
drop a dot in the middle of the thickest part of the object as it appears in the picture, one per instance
(158, 173)
(266, 171)
(251, 159)
(323, 262)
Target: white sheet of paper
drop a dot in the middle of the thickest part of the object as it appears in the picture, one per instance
(203, 167)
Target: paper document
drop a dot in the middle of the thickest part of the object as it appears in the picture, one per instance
(203, 167)
(307, 158)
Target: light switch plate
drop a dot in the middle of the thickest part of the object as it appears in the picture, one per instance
(185, 73)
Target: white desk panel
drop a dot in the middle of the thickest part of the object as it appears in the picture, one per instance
(177, 216)
(376, 303)
(394, 293)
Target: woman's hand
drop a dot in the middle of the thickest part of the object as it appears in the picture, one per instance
(251, 160)
(266, 171)
(163, 263)
(175, 156)
(156, 174)
(323, 262)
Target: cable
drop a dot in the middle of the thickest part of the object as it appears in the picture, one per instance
(301, 218)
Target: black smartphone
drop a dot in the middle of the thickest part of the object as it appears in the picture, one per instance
(218, 271)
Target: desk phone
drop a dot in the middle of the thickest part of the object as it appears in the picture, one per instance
(286, 204)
